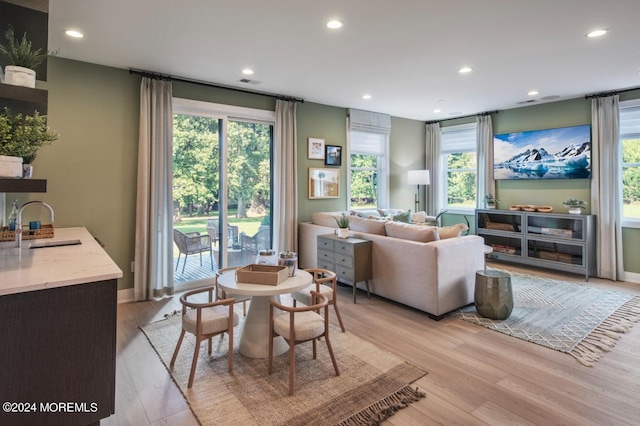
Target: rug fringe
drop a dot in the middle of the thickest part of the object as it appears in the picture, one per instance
(380, 411)
(603, 338)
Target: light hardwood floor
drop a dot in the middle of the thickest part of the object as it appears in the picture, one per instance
(476, 376)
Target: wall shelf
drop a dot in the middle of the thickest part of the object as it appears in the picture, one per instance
(23, 185)
(565, 242)
(24, 100)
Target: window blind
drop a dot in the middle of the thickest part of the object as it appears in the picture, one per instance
(367, 143)
(369, 122)
(460, 138)
(630, 122)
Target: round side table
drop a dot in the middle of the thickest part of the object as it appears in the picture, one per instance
(493, 295)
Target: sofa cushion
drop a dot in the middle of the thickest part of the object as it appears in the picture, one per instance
(370, 226)
(326, 218)
(452, 231)
(423, 234)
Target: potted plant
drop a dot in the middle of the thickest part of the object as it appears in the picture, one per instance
(20, 138)
(490, 201)
(575, 206)
(343, 226)
(23, 60)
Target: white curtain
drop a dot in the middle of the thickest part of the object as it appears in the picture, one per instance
(433, 165)
(285, 188)
(606, 191)
(153, 276)
(484, 140)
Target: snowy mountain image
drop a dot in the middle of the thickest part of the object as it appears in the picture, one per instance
(543, 154)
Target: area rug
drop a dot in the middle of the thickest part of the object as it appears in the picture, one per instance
(372, 386)
(577, 319)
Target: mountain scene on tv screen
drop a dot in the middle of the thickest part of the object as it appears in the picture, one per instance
(562, 153)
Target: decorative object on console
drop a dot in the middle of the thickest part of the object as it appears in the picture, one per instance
(23, 59)
(562, 153)
(490, 201)
(575, 206)
(418, 177)
(531, 208)
(343, 226)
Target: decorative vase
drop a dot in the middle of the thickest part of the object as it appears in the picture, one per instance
(575, 210)
(490, 206)
(19, 76)
(27, 171)
(343, 232)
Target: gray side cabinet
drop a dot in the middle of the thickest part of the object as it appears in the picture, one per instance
(565, 242)
(349, 258)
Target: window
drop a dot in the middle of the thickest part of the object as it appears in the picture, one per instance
(458, 165)
(368, 170)
(630, 147)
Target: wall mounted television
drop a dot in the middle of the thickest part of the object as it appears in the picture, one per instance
(560, 153)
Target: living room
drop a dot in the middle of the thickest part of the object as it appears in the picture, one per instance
(91, 173)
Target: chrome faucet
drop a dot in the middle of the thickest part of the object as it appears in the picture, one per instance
(19, 220)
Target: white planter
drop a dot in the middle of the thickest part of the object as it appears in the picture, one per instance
(575, 210)
(10, 166)
(19, 76)
(343, 232)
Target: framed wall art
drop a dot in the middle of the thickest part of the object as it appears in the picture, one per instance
(324, 183)
(333, 155)
(316, 149)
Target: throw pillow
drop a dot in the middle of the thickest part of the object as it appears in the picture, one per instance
(367, 213)
(423, 234)
(419, 217)
(402, 216)
(370, 226)
(452, 231)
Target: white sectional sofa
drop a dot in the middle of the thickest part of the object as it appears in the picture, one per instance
(428, 268)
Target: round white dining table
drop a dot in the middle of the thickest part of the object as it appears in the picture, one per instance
(254, 340)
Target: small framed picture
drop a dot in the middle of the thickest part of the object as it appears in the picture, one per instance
(324, 183)
(316, 149)
(333, 155)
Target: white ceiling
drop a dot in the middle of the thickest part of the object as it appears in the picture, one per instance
(405, 53)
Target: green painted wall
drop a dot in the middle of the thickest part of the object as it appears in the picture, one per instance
(91, 169)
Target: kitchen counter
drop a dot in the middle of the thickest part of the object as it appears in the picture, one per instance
(58, 308)
(24, 269)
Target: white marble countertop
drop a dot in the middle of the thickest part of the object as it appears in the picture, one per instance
(24, 269)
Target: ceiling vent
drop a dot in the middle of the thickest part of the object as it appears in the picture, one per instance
(250, 81)
(528, 101)
(550, 98)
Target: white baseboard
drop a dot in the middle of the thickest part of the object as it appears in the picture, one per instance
(125, 295)
(633, 277)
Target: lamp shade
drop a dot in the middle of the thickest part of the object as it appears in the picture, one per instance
(418, 177)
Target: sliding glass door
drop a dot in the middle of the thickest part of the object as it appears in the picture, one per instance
(222, 187)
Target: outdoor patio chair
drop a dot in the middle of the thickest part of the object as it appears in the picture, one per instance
(251, 245)
(213, 227)
(192, 243)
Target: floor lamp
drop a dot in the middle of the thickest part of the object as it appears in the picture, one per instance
(418, 177)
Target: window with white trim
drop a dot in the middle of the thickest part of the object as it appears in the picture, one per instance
(368, 170)
(630, 164)
(459, 167)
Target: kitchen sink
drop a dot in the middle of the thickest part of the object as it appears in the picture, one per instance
(47, 244)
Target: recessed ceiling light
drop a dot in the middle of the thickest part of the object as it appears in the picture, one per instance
(437, 111)
(366, 97)
(74, 33)
(247, 71)
(533, 93)
(465, 70)
(597, 33)
(334, 24)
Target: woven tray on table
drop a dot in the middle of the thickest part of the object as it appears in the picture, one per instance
(46, 231)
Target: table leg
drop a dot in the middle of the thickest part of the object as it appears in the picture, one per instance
(254, 341)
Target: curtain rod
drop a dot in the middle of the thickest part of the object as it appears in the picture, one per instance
(611, 93)
(464, 116)
(157, 76)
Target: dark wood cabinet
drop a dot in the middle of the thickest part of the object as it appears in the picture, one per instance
(58, 352)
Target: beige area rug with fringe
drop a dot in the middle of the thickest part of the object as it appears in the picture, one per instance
(372, 386)
(577, 319)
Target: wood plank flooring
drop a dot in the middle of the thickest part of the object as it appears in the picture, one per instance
(476, 376)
